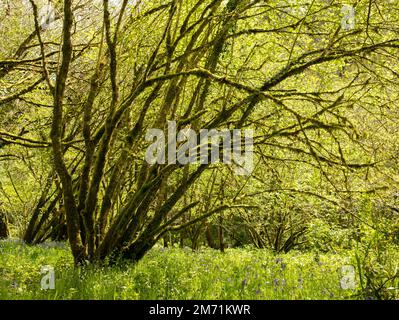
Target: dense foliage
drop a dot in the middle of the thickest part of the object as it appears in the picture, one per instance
(82, 82)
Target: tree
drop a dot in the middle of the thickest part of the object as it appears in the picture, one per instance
(3, 226)
(295, 77)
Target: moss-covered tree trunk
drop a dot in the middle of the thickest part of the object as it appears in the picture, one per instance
(3, 226)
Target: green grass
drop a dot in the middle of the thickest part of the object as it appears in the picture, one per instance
(176, 274)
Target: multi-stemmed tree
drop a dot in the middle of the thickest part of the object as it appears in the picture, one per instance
(107, 75)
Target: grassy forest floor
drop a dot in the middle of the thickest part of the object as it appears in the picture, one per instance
(182, 274)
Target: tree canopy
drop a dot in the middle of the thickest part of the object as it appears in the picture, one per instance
(81, 82)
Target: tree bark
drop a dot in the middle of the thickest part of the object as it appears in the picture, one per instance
(72, 215)
(4, 233)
